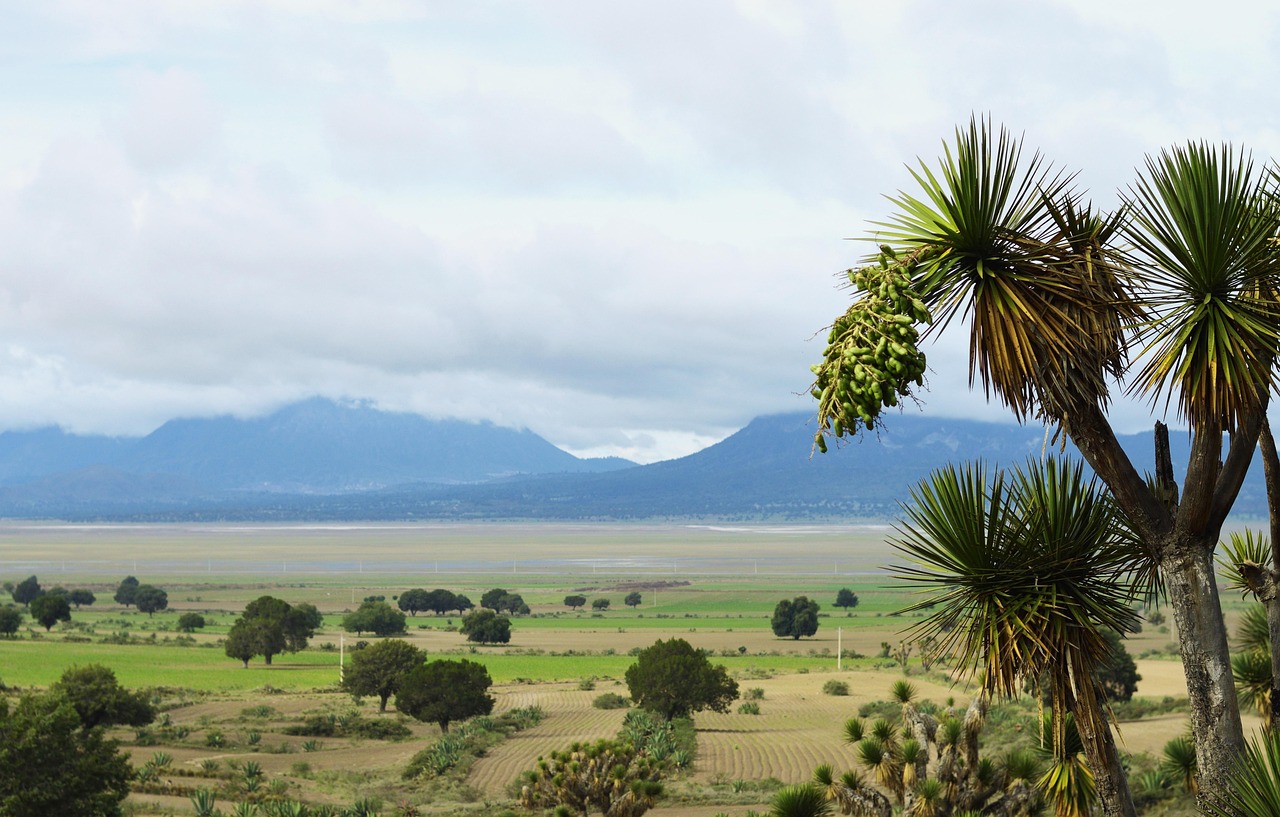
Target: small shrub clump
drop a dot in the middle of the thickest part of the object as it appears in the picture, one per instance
(834, 687)
(610, 700)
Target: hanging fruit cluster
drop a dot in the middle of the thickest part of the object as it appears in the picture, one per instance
(871, 359)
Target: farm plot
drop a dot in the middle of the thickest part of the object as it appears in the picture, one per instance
(798, 727)
(569, 718)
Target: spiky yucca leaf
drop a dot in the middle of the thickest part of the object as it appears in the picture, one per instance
(1251, 671)
(800, 801)
(1255, 782)
(1244, 560)
(903, 691)
(853, 730)
(1203, 224)
(1179, 762)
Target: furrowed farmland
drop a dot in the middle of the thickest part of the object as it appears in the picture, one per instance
(264, 735)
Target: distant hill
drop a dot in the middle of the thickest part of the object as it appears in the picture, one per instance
(318, 460)
(313, 447)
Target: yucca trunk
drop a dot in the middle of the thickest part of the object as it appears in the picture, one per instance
(1271, 598)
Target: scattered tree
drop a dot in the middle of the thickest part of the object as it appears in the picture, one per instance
(270, 626)
(633, 599)
(49, 610)
(10, 621)
(1117, 675)
(846, 598)
(484, 626)
(575, 601)
(375, 617)
(501, 601)
(675, 680)
(99, 700)
(378, 669)
(795, 618)
(81, 597)
(27, 590)
(462, 604)
(124, 593)
(414, 601)
(444, 691)
(600, 604)
(50, 764)
(190, 622)
(150, 599)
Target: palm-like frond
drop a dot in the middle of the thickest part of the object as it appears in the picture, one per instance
(1179, 762)
(1255, 782)
(1204, 226)
(1007, 244)
(1251, 672)
(853, 730)
(800, 801)
(1252, 632)
(1243, 561)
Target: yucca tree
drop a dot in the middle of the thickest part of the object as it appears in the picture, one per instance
(1253, 789)
(1248, 562)
(1022, 574)
(1057, 297)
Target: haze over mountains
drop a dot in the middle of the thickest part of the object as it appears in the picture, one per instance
(322, 460)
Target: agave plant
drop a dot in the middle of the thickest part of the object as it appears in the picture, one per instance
(203, 801)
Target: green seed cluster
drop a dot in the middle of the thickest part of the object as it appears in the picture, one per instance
(871, 358)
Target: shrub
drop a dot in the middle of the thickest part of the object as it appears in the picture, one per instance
(753, 694)
(834, 687)
(610, 700)
(749, 708)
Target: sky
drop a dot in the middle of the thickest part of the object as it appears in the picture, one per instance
(617, 224)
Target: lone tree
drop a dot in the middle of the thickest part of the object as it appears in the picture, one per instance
(10, 621)
(1056, 296)
(81, 597)
(150, 599)
(190, 622)
(378, 669)
(501, 601)
(600, 604)
(27, 591)
(575, 601)
(444, 691)
(49, 610)
(633, 599)
(846, 598)
(124, 593)
(675, 680)
(375, 617)
(484, 626)
(795, 618)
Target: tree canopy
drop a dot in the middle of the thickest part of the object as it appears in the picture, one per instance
(573, 602)
(501, 601)
(846, 598)
(375, 617)
(633, 599)
(378, 669)
(150, 599)
(10, 621)
(124, 592)
(445, 691)
(27, 590)
(270, 626)
(49, 609)
(795, 618)
(675, 680)
(484, 626)
(99, 700)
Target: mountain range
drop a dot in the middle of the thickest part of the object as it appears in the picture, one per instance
(321, 460)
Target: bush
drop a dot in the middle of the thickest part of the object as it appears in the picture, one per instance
(834, 687)
(749, 708)
(753, 694)
(610, 700)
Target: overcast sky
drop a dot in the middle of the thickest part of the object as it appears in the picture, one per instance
(617, 224)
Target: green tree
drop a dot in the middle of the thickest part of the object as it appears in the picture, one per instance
(675, 680)
(190, 622)
(633, 599)
(1118, 675)
(378, 669)
(484, 626)
(414, 601)
(1055, 296)
(124, 593)
(575, 601)
(462, 604)
(10, 621)
(600, 604)
(444, 691)
(795, 618)
(441, 601)
(270, 626)
(150, 599)
(49, 610)
(50, 764)
(99, 700)
(846, 598)
(375, 617)
(501, 601)
(27, 590)
(81, 597)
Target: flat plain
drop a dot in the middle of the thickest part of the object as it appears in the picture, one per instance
(713, 585)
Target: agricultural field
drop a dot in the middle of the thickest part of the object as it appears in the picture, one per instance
(712, 586)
